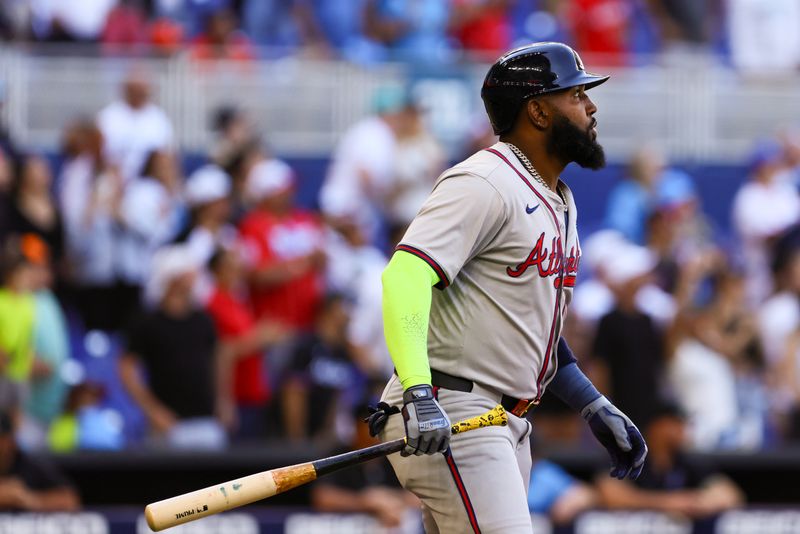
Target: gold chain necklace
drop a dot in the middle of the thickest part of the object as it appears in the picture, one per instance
(528, 165)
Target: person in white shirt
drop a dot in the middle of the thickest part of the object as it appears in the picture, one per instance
(763, 36)
(362, 170)
(150, 214)
(134, 126)
(762, 209)
(207, 195)
(354, 269)
(89, 194)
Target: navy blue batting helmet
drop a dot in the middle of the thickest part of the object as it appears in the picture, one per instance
(529, 71)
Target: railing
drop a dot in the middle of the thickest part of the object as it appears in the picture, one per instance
(698, 110)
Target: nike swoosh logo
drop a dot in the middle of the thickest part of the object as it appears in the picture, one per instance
(529, 209)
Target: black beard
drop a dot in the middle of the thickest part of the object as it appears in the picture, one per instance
(569, 143)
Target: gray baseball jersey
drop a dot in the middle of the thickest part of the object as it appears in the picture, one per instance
(506, 250)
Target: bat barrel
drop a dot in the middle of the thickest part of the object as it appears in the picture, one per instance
(234, 493)
(221, 497)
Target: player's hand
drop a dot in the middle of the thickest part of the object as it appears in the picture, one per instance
(617, 433)
(427, 426)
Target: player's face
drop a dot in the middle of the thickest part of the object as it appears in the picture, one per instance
(573, 135)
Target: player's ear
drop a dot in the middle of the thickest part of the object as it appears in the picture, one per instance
(537, 113)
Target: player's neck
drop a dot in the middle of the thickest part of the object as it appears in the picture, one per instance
(548, 167)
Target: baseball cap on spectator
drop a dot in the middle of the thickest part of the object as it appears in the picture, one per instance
(766, 152)
(601, 247)
(268, 178)
(630, 261)
(674, 189)
(390, 99)
(168, 264)
(207, 184)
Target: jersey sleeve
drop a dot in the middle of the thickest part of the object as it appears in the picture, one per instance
(458, 220)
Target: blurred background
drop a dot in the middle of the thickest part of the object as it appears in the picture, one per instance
(197, 199)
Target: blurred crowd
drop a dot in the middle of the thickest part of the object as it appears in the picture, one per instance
(750, 34)
(672, 309)
(231, 312)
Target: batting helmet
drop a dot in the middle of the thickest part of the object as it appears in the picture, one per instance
(529, 71)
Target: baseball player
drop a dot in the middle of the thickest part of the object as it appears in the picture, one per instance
(497, 240)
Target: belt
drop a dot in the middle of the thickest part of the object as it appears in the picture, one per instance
(518, 407)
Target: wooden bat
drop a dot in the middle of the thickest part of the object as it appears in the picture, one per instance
(221, 497)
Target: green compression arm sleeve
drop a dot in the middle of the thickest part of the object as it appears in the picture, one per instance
(407, 282)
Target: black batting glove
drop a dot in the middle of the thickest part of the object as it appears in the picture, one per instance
(617, 433)
(427, 426)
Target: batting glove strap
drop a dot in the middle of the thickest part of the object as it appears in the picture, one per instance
(617, 433)
(427, 426)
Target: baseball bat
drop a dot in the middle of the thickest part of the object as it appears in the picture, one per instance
(234, 493)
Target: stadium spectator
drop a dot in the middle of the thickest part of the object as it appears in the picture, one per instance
(362, 169)
(29, 484)
(84, 423)
(50, 344)
(176, 344)
(370, 487)
(413, 31)
(284, 246)
(126, 26)
(763, 208)
(419, 159)
(761, 36)
(234, 134)
(150, 216)
(354, 269)
(677, 200)
(685, 23)
(89, 196)
(700, 374)
(318, 374)
(248, 342)
(17, 310)
(601, 27)
(207, 194)
(221, 39)
(631, 200)
(133, 126)
(482, 26)
(33, 208)
(779, 315)
(671, 482)
(69, 20)
(628, 344)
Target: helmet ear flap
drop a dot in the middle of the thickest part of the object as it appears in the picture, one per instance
(502, 113)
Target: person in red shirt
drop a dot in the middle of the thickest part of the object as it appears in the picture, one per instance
(284, 245)
(246, 340)
(601, 27)
(482, 26)
(222, 39)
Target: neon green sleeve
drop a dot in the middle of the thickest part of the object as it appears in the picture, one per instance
(407, 282)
